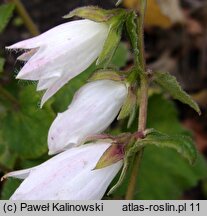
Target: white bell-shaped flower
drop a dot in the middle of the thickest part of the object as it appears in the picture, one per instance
(61, 53)
(67, 176)
(92, 110)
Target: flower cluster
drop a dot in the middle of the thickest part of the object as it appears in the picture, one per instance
(53, 58)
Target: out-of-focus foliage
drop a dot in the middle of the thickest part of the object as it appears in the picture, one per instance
(2, 61)
(165, 175)
(6, 11)
(25, 126)
(9, 187)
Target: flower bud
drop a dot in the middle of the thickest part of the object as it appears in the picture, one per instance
(68, 176)
(92, 110)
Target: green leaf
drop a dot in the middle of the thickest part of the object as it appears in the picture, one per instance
(6, 11)
(184, 145)
(2, 61)
(169, 83)
(164, 175)
(91, 12)
(25, 126)
(7, 158)
(110, 46)
(9, 187)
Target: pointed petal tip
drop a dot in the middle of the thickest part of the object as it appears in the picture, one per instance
(54, 152)
(50, 152)
(42, 103)
(20, 76)
(4, 177)
(14, 46)
(8, 47)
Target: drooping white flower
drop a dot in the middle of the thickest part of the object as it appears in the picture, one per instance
(67, 176)
(92, 110)
(60, 54)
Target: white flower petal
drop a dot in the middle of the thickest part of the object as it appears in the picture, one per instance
(46, 83)
(69, 49)
(92, 110)
(61, 32)
(53, 89)
(27, 55)
(69, 176)
(21, 174)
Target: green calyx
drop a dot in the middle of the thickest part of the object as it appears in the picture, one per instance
(115, 152)
(129, 104)
(115, 19)
(112, 155)
(112, 41)
(109, 75)
(94, 13)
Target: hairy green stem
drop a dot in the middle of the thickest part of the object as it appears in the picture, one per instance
(26, 17)
(143, 100)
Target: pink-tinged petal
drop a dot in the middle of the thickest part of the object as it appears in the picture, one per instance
(27, 55)
(47, 83)
(61, 32)
(69, 53)
(70, 57)
(92, 110)
(69, 176)
(52, 90)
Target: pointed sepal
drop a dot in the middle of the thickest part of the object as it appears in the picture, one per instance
(114, 36)
(110, 46)
(121, 177)
(112, 155)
